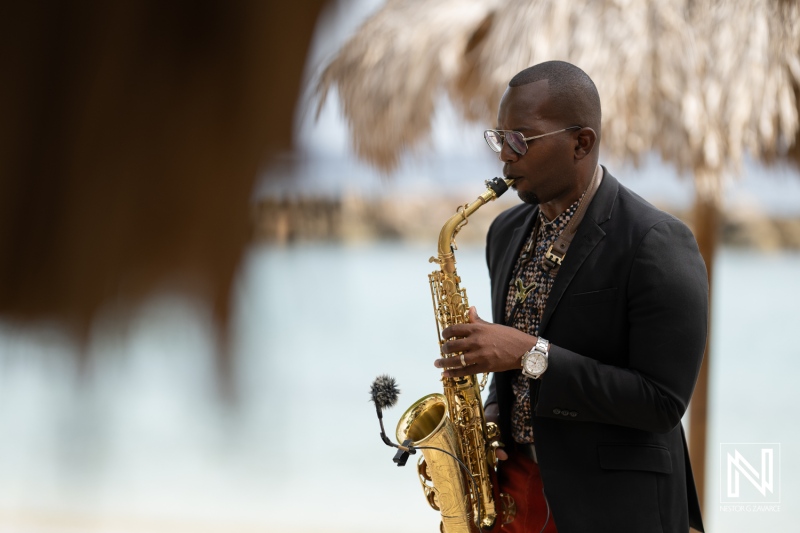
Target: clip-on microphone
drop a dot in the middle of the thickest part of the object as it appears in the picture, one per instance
(384, 393)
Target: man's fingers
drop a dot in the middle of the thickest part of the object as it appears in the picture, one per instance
(456, 362)
(473, 316)
(501, 454)
(456, 331)
(457, 345)
(459, 372)
(453, 369)
(447, 362)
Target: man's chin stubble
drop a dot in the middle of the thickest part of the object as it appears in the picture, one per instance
(528, 197)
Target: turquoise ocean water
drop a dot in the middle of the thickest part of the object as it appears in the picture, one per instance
(138, 440)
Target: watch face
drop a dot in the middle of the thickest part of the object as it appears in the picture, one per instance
(535, 363)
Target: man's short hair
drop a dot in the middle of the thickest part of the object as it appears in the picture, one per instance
(572, 92)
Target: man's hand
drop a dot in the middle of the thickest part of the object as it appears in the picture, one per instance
(486, 347)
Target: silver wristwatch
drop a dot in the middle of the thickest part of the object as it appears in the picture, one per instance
(534, 362)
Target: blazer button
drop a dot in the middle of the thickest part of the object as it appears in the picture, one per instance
(573, 413)
(556, 411)
(564, 412)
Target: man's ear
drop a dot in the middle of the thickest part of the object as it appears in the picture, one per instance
(584, 142)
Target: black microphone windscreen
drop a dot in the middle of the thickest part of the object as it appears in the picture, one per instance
(384, 392)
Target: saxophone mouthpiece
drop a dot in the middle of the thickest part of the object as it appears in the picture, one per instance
(384, 392)
(498, 185)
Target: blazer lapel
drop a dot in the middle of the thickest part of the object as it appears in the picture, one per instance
(506, 267)
(589, 234)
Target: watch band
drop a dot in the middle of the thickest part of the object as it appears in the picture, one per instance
(534, 361)
(542, 346)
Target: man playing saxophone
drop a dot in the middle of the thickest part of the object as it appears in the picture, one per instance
(600, 305)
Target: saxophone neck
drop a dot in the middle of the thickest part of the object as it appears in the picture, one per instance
(494, 189)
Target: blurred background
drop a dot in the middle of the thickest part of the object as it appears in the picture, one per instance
(201, 278)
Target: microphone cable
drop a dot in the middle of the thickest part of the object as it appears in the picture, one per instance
(547, 503)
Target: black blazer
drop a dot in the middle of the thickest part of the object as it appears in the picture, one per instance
(627, 321)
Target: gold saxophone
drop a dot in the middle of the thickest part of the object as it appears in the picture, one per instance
(455, 421)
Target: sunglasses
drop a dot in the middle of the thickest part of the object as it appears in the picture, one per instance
(517, 142)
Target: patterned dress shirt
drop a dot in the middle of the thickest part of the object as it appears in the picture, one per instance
(529, 271)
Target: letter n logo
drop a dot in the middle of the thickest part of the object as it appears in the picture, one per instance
(749, 472)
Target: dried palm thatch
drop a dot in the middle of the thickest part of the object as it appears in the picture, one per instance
(391, 73)
(131, 135)
(698, 81)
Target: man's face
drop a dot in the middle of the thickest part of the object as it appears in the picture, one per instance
(547, 170)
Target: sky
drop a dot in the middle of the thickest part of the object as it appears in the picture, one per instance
(457, 156)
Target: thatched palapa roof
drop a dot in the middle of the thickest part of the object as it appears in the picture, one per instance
(699, 82)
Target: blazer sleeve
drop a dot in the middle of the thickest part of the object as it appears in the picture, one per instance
(667, 310)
